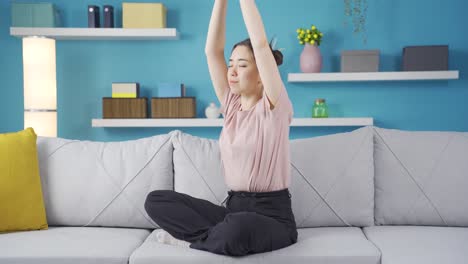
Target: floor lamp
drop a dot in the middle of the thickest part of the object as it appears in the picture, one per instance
(40, 85)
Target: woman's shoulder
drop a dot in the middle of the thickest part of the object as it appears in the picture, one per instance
(282, 105)
(231, 101)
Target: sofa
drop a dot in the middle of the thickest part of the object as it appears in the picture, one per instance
(369, 196)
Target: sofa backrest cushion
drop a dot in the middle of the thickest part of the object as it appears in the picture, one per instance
(421, 177)
(103, 183)
(333, 179)
(198, 170)
(331, 184)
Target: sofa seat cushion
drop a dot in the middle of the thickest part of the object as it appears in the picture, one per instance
(329, 245)
(70, 245)
(420, 244)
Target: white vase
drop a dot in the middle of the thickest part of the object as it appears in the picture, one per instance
(212, 111)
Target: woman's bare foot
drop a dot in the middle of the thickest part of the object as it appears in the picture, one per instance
(164, 237)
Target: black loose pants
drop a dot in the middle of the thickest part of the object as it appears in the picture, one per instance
(250, 223)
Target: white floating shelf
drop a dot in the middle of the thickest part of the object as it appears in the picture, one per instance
(97, 33)
(372, 76)
(205, 122)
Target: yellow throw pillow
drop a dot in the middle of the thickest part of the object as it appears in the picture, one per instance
(21, 201)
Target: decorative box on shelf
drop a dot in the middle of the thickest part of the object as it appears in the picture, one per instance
(34, 15)
(171, 90)
(176, 107)
(124, 107)
(360, 60)
(143, 15)
(125, 90)
(425, 58)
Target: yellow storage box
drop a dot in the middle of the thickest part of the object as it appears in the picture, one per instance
(143, 15)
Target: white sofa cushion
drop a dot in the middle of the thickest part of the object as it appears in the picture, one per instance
(198, 168)
(71, 245)
(331, 245)
(421, 177)
(333, 179)
(331, 184)
(420, 244)
(89, 183)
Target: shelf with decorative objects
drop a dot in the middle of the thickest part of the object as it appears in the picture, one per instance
(97, 33)
(218, 122)
(373, 76)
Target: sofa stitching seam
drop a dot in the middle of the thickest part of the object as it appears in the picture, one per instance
(198, 172)
(430, 177)
(409, 174)
(321, 197)
(126, 185)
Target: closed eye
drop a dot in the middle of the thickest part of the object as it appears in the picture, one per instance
(242, 66)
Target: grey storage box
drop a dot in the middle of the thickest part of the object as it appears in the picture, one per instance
(360, 60)
(425, 58)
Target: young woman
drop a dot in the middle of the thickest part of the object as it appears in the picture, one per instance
(254, 145)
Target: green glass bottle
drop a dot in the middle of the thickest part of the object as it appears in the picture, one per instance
(320, 108)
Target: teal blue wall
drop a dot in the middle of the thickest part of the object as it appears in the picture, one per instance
(86, 69)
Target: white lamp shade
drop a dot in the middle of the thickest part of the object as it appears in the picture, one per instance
(43, 123)
(40, 85)
(39, 72)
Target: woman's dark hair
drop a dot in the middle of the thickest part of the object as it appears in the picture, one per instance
(276, 53)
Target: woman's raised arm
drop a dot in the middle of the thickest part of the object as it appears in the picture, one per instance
(266, 64)
(214, 49)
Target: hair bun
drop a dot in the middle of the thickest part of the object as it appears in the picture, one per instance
(278, 57)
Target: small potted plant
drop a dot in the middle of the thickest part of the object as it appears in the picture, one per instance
(311, 59)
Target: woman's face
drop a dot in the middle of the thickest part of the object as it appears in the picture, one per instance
(243, 74)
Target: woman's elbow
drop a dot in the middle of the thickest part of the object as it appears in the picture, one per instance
(209, 52)
(261, 44)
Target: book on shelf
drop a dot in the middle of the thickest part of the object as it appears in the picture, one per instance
(171, 90)
(125, 90)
